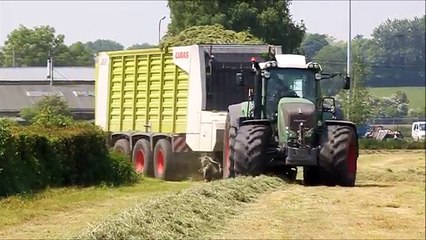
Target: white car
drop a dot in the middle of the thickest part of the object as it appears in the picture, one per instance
(418, 131)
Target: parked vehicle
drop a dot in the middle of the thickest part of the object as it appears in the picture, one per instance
(381, 133)
(418, 131)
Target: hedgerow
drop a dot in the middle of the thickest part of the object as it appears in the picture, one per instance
(34, 157)
(374, 144)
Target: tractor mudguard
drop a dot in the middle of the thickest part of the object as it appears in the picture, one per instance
(340, 122)
(344, 123)
(235, 114)
(255, 122)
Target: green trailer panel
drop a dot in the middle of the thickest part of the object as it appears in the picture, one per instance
(146, 87)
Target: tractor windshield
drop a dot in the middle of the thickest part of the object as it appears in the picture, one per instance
(291, 82)
(288, 82)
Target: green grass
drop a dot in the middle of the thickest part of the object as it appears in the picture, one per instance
(416, 95)
(40, 214)
(388, 202)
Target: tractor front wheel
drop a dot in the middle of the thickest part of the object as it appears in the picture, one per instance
(338, 156)
(250, 149)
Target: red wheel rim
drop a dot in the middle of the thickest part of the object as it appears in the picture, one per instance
(160, 162)
(352, 158)
(140, 161)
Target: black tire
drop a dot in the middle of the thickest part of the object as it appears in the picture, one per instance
(228, 149)
(311, 176)
(163, 157)
(338, 156)
(250, 149)
(122, 146)
(142, 158)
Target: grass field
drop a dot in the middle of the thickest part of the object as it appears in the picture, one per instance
(59, 212)
(387, 202)
(416, 95)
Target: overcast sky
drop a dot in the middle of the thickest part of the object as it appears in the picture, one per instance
(130, 22)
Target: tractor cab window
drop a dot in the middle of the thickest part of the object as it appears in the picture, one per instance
(422, 127)
(289, 82)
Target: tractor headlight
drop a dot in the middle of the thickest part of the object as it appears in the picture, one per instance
(314, 65)
(270, 64)
(266, 74)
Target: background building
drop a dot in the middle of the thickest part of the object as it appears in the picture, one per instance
(21, 87)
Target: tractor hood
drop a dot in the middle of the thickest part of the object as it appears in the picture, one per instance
(292, 112)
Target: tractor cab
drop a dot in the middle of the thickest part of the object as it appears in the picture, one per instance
(288, 123)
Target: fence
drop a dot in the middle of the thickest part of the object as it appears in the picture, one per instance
(394, 121)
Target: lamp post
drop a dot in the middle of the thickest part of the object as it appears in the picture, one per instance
(159, 28)
(348, 67)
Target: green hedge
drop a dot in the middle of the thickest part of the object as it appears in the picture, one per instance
(34, 157)
(390, 144)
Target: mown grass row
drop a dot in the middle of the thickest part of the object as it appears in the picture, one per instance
(191, 213)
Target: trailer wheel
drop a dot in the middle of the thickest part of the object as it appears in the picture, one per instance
(250, 149)
(122, 146)
(228, 149)
(338, 156)
(142, 158)
(162, 158)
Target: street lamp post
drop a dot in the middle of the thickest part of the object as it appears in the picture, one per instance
(348, 67)
(159, 28)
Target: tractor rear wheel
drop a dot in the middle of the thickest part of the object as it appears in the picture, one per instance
(250, 149)
(228, 148)
(338, 156)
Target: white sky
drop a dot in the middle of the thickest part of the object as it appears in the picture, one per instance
(130, 22)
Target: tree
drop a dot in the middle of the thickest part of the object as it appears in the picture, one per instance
(399, 53)
(102, 45)
(394, 106)
(141, 46)
(1, 57)
(268, 20)
(356, 102)
(210, 34)
(81, 55)
(332, 57)
(313, 43)
(49, 111)
(31, 47)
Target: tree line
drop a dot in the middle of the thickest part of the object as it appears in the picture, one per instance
(31, 47)
(394, 55)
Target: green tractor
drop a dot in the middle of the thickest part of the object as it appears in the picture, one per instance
(288, 123)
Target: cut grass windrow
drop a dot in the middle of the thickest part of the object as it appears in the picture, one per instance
(191, 213)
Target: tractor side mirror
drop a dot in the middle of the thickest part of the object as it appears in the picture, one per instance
(347, 83)
(239, 79)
